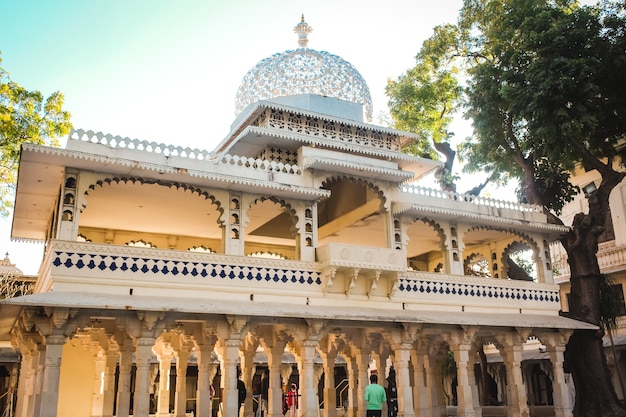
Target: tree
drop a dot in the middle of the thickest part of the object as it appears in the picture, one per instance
(545, 90)
(25, 117)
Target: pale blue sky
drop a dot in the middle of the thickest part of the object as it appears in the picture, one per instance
(168, 71)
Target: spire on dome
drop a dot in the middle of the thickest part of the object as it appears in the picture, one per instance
(303, 29)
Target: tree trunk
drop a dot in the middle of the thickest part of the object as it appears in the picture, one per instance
(595, 395)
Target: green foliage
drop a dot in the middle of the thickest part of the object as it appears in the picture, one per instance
(25, 117)
(424, 99)
(448, 365)
(542, 82)
(545, 94)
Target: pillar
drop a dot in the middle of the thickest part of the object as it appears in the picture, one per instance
(123, 385)
(275, 392)
(405, 393)
(308, 383)
(163, 400)
(51, 375)
(464, 389)
(26, 385)
(230, 402)
(422, 401)
(330, 392)
(247, 371)
(180, 397)
(560, 391)
(143, 353)
(362, 363)
(104, 383)
(353, 388)
(206, 373)
(517, 403)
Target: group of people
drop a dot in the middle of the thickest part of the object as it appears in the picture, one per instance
(376, 396)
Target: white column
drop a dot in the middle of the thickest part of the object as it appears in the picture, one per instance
(163, 399)
(275, 392)
(560, 391)
(330, 392)
(104, 383)
(180, 397)
(353, 387)
(247, 371)
(108, 387)
(26, 385)
(362, 362)
(51, 375)
(308, 382)
(206, 372)
(464, 389)
(421, 398)
(405, 393)
(143, 353)
(230, 402)
(517, 404)
(123, 385)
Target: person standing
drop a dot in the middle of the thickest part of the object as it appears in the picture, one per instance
(241, 391)
(292, 400)
(392, 394)
(375, 397)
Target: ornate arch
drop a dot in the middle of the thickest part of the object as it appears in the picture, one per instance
(360, 181)
(525, 237)
(435, 226)
(293, 216)
(150, 181)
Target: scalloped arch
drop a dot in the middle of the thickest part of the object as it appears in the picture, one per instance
(435, 226)
(150, 181)
(367, 184)
(292, 212)
(526, 238)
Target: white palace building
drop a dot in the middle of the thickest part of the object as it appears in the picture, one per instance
(302, 248)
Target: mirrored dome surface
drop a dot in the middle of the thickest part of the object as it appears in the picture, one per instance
(304, 71)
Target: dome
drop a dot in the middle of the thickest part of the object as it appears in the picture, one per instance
(304, 71)
(6, 267)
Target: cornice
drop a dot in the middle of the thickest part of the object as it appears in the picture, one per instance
(180, 171)
(485, 219)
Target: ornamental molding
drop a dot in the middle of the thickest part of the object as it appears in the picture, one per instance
(268, 184)
(327, 165)
(327, 143)
(486, 219)
(254, 113)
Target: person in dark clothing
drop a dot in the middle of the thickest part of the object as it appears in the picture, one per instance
(241, 390)
(392, 394)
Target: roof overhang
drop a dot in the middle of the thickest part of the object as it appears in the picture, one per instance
(283, 310)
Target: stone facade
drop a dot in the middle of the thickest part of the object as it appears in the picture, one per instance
(302, 249)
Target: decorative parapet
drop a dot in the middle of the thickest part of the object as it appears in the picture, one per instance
(467, 198)
(118, 142)
(327, 129)
(259, 164)
(611, 258)
(352, 256)
(370, 277)
(477, 292)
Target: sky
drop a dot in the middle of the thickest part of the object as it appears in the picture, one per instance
(168, 71)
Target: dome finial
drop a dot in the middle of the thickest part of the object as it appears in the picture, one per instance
(303, 29)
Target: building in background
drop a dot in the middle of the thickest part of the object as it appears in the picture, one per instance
(612, 262)
(302, 249)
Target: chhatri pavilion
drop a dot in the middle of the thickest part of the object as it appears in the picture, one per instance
(304, 248)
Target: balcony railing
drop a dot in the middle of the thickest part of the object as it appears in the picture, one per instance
(611, 258)
(100, 268)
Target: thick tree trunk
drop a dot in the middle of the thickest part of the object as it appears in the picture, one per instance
(595, 395)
